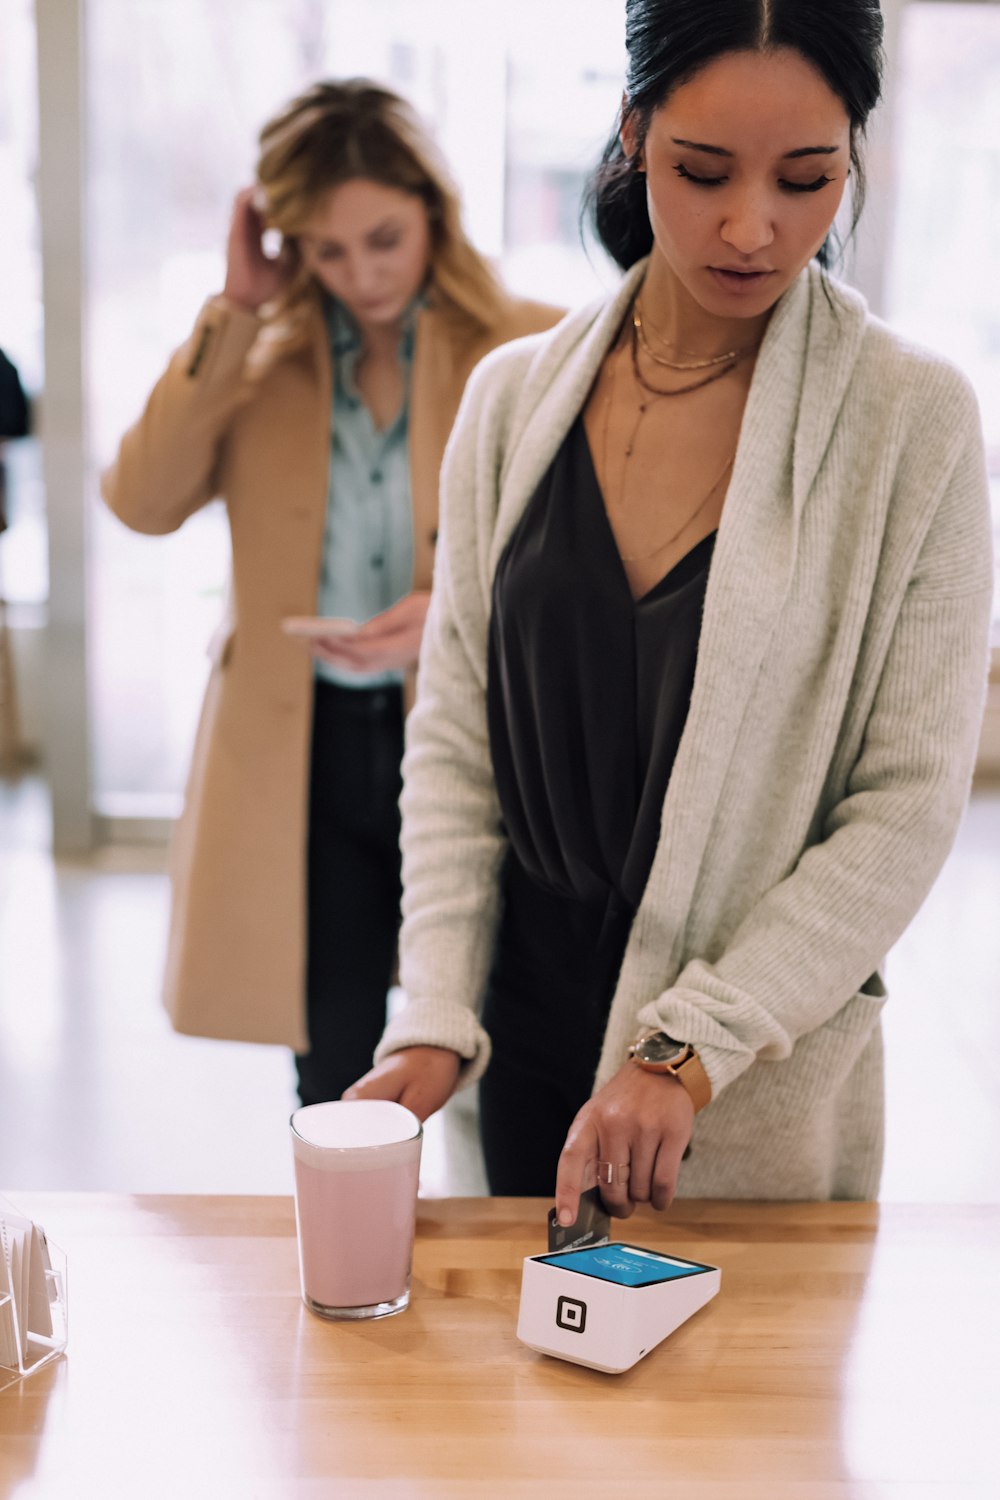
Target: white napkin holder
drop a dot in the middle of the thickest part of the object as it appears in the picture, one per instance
(33, 1319)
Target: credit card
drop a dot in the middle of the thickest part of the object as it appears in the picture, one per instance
(592, 1225)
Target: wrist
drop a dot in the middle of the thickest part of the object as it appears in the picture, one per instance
(240, 301)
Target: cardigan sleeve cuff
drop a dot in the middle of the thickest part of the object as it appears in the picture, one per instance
(438, 1023)
(722, 1055)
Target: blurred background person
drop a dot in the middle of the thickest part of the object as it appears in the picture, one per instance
(315, 396)
(14, 423)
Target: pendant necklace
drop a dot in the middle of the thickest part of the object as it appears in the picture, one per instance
(653, 394)
(631, 557)
(657, 392)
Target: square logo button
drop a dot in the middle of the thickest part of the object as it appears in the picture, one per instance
(571, 1314)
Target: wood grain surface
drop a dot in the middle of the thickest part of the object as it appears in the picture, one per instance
(852, 1351)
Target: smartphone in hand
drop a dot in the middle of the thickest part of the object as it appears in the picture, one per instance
(318, 627)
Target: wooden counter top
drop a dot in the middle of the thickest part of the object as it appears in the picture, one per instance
(853, 1351)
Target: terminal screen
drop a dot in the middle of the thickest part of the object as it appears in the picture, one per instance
(628, 1265)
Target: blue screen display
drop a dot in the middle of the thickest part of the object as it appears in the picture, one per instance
(628, 1265)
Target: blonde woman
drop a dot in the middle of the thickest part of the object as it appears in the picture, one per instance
(315, 395)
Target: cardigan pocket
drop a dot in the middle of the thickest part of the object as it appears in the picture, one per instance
(797, 1093)
(860, 1015)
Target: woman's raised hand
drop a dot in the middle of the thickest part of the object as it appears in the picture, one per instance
(422, 1078)
(252, 276)
(638, 1126)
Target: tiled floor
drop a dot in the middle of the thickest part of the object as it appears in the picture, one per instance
(96, 1091)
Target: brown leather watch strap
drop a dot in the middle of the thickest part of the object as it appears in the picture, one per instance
(692, 1075)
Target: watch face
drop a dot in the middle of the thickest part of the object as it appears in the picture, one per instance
(659, 1048)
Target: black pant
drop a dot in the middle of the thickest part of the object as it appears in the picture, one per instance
(353, 882)
(546, 1006)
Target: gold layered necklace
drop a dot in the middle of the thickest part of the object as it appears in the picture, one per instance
(658, 393)
(718, 367)
(697, 363)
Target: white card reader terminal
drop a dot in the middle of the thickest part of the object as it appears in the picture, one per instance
(606, 1306)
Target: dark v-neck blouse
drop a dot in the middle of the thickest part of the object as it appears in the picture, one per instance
(588, 690)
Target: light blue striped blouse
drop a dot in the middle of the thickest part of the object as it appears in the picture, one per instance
(368, 543)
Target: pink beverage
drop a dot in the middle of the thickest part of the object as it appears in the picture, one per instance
(357, 1164)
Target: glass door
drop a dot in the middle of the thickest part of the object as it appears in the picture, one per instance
(943, 286)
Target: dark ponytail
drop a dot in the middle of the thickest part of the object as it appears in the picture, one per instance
(669, 41)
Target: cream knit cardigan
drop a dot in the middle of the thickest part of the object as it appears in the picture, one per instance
(828, 749)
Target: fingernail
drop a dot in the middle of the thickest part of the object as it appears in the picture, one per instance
(565, 1217)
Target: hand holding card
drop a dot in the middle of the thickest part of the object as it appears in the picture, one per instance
(592, 1225)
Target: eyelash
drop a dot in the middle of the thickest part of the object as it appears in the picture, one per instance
(789, 187)
(377, 245)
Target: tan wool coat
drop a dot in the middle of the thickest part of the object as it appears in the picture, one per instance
(236, 953)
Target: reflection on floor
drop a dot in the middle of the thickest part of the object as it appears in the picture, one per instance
(97, 1093)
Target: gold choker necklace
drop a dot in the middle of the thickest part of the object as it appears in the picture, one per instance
(698, 363)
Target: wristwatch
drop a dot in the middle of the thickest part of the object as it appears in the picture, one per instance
(656, 1052)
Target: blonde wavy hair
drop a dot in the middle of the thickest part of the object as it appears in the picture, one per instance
(339, 131)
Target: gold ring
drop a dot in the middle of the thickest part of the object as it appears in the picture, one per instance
(608, 1173)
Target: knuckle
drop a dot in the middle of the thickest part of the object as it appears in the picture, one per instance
(663, 1191)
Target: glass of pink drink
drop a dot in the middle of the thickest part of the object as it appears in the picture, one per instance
(357, 1164)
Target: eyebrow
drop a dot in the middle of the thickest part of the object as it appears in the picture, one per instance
(324, 240)
(788, 155)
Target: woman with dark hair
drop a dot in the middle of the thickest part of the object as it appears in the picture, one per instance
(705, 661)
(315, 395)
